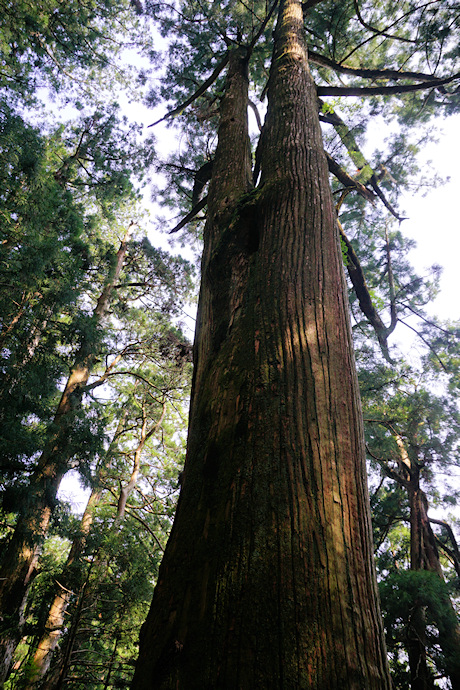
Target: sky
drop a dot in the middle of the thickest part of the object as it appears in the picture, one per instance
(434, 220)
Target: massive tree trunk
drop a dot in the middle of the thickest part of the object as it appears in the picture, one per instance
(21, 555)
(267, 580)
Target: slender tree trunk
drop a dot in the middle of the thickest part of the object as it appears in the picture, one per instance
(128, 488)
(21, 555)
(56, 678)
(425, 556)
(421, 678)
(267, 579)
(112, 661)
(53, 627)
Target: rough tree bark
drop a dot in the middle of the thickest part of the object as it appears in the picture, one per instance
(22, 552)
(55, 621)
(267, 580)
(424, 555)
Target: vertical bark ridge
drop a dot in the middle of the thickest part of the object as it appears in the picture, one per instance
(267, 580)
(291, 159)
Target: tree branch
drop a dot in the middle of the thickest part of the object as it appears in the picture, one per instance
(255, 110)
(366, 173)
(259, 33)
(146, 526)
(426, 343)
(391, 284)
(430, 323)
(358, 280)
(323, 61)
(377, 31)
(395, 23)
(455, 551)
(383, 90)
(191, 215)
(202, 176)
(346, 179)
(384, 200)
(387, 470)
(204, 87)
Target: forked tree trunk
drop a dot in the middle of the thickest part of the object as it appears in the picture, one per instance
(21, 555)
(267, 579)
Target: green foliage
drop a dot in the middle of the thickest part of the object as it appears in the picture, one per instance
(401, 592)
(71, 48)
(42, 257)
(112, 580)
(402, 407)
(70, 192)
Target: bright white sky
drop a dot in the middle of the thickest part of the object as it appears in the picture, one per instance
(434, 220)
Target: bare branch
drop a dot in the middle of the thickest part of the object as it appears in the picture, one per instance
(358, 280)
(395, 23)
(430, 323)
(191, 215)
(144, 524)
(391, 284)
(255, 110)
(454, 552)
(383, 90)
(384, 200)
(426, 343)
(204, 87)
(378, 32)
(323, 61)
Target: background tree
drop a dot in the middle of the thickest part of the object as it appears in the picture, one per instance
(69, 432)
(413, 440)
(69, 190)
(136, 481)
